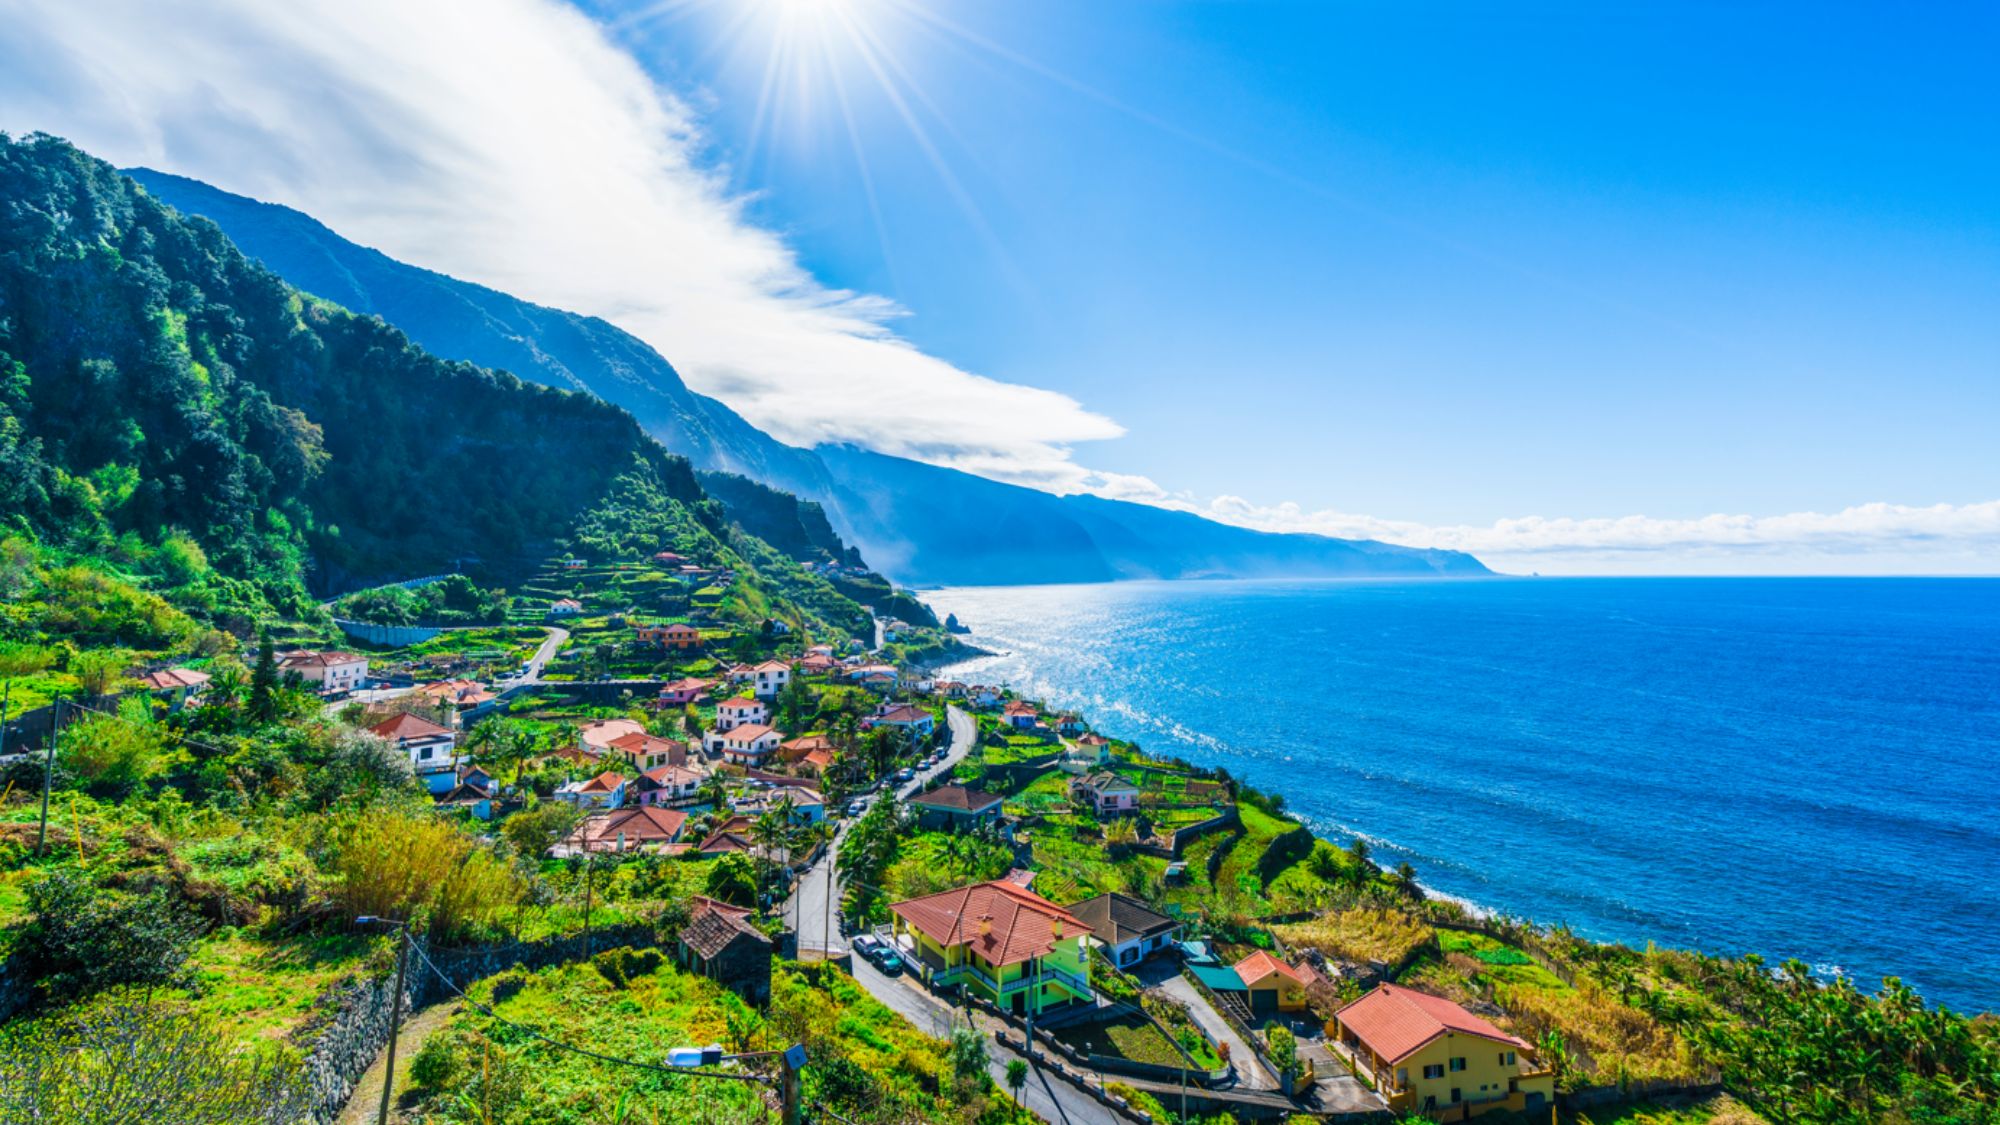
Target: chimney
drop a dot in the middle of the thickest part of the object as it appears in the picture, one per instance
(1055, 926)
(985, 925)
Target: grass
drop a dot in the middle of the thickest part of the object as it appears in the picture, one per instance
(860, 1053)
(263, 988)
(1133, 1037)
(1719, 1110)
(1358, 933)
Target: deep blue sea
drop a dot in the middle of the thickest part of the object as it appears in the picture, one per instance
(1796, 767)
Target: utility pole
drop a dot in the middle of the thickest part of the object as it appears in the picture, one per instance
(788, 1081)
(395, 1008)
(589, 871)
(48, 777)
(6, 697)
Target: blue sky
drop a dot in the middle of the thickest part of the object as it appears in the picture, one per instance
(1665, 288)
(1447, 262)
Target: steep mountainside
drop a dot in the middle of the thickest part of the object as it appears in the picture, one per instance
(458, 319)
(976, 531)
(918, 523)
(153, 380)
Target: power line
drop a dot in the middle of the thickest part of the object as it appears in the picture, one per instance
(573, 1049)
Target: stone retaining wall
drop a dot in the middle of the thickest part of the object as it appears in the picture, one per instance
(353, 1027)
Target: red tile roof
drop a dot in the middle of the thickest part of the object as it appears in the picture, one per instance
(303, 658)
(748, 732)
(904, 714)
(1018, 924)
(175, 678)
(957, 797)
(606, 782)
(712, 926)
(406, 726)
(1017, 707)
(1395, 1022)
(740, 703)
(647, 824)
(1260, 964)
(642, 743)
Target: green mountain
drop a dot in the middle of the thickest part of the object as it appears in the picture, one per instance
(919, 523)
(157, 385)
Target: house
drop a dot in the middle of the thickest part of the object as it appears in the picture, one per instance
(645, 751)
(814, 664)
(327, 672)
(770, 678)
(1109, 793)
(874, 674)
(720, 943)
(1273, 985)
(732, 835)
(914, 721)
(605, 791)
(808, 807)
(177, 684)
(433, 749)
(1070, 723)
(733, 713)
(628, 830)
(797, 750)
(999, 941)
(574, 564)
(565, 607)
(475, 793)
(1427, 1055)
(680, 693)
(678, 635)
(470, 698)
(982, 696)
(1021, 715)
(668, 558)
(598, 735)
(740, 673)
(750, 743)
(669, 785)
(956, 807)
(1129, 930)
(777, 626)
(949, 689)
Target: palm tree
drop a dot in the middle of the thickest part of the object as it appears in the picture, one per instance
(714, 793)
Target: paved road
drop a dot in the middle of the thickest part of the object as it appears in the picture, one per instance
(1250, 1073)
(808, 912)
(1049, 1098)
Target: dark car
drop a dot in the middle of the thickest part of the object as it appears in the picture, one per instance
(878, 951)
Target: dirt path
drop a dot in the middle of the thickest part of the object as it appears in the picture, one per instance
(367, 1099)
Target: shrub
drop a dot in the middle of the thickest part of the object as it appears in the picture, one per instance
(399, 864)
(126, 1059)
(82, 938)
(436, 1064)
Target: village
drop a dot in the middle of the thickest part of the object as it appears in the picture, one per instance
(1146, 935)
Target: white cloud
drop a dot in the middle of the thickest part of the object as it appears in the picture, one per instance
(1864, 539)
(509, 142)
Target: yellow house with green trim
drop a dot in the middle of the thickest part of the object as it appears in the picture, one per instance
(999, 941)
(1427, 1055)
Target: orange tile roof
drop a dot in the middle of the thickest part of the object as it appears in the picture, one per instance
(1260, 964)
(605, 782)
(1019, 925)
(407, 725)
(1395, 1022)
(643, 743)
(175, 678)
(748, 732)
(647, 824)
(741, 703)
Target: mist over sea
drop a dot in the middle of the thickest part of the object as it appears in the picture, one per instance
(1795, 767)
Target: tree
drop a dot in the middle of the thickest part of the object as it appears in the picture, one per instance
(127, 1059)
(1284, 1047)
(1017, 1077)
(733, 879)
(99, 672)
(264, 681)
(968, 1058)
(534, 831)
(115, 752)
(82, 939)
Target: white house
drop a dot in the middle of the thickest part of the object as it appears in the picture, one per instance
(605, 791)
(770, 678)
(749, 743)
(670, 785)
(565, 607)
(982, 696)
(808, 807)
(1021, 715)
(328, 672)
(1127, 929)
(433, 749)
(1108, 791)
(901, 716)
(739, 711)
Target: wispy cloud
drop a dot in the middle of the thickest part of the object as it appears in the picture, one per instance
(510, 142)
(1866, 538)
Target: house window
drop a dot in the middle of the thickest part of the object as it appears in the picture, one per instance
(1456, 1097)
(1506, 1058)
(1402, 1076)
(1457, 1064)
(1433, 1070)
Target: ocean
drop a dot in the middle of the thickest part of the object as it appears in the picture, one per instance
(1793, 767)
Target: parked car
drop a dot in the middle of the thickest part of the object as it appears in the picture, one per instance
(879, 952)
(868, 945)
(856, 808)
(905, 775)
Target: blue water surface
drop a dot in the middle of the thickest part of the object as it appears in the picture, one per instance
(1794, 767)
